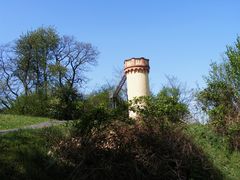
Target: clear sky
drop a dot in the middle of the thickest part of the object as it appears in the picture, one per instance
(180, 37)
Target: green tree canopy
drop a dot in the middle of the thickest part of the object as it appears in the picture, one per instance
(41, 60)
(221, 98)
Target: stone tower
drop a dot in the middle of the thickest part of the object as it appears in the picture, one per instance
(136, 71)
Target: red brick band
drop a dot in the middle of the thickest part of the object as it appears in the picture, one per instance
(136, 65)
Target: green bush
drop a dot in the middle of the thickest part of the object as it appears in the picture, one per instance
(92, 119)
(97, 113)
(65, 103)
(101, 98)
(35, 104)
(96, 118)
(233, 132)
(165, 107)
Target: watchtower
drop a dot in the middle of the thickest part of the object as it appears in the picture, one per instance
(136, 71)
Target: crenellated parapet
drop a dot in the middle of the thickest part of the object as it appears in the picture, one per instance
(134, 65)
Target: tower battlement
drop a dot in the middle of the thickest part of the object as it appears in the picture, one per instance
(136, 64)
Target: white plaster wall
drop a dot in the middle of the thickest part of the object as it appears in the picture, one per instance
(137, 84)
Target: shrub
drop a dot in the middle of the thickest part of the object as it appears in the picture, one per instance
(166, 107)
(35, 104)
(92, 119)
(123, 151)
(233, 132)
(95, 118)
(65, 103)
(97, 114)
(101, 98)
(104, 148)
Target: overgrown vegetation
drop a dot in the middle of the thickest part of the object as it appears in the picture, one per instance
(103, 147)
(221, 98)
(216, 148)
(65, 103)
(167, 106)
(35, 104)
(123, 151)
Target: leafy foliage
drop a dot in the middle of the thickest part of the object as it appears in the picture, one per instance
(216, 148)
(99, 97)
(35, 104)
(165, 107)
(34, 50)
(65, 103)
(97, 114)
(92, 120)
(221, 98)
(40, 61)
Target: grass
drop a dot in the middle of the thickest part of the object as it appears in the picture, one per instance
(216, 148)
(8, 121)
(25, 154)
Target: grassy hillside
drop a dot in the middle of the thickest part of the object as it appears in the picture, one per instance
(27, 154)
(217, 150)
(8, 121)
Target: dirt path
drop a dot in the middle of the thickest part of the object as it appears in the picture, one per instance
(35, 126)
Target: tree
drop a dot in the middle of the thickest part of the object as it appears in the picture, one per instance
(41, 60)
(222, 94)
(9, 85)
(221, 98)
(34, 51)
(72, 59)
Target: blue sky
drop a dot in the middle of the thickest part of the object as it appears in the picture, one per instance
(180, 38)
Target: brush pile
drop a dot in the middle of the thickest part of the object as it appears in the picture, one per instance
(134, 151)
